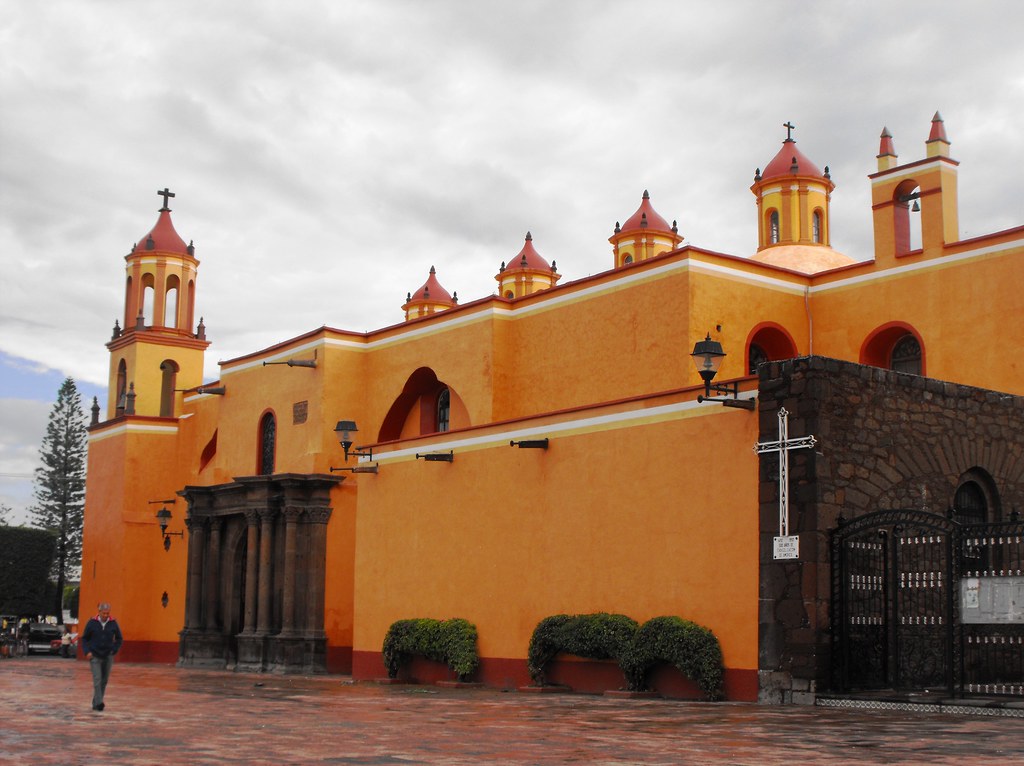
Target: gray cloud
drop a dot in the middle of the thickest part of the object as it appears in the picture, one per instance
(325, 155)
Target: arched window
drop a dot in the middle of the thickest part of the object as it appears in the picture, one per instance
(768, 343)
(170, 318)
(970, 504)
(444, 408)
(755, 356)
(268, 439)
(169, 377)
(816, 226)
(627, 260)
(773, 227)
(122, 388)
(509, 294)
(906, 355)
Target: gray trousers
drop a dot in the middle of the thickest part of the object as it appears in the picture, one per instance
(100, 667)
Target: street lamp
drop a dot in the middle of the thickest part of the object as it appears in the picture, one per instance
(707, 356)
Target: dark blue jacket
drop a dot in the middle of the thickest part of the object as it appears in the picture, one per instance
(101, 640)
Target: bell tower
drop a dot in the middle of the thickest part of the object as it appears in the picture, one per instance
(156, 353)
(899, 192)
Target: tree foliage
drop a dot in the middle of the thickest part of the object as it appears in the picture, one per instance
(25, 558)
(60, 484)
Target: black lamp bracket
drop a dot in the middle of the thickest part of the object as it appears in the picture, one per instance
(729, 389)
(358, 469)
(437, 457)
(529, 443)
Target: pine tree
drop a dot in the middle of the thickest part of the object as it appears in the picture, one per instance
(60, 484)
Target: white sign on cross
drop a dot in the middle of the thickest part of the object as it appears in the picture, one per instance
(783, 446)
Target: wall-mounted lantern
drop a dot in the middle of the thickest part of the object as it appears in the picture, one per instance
(707, 356)
(344, 431)
(163, 517)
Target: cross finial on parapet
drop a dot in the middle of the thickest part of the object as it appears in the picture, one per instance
(166, 193)
(789, 126)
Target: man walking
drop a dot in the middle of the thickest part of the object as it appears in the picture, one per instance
(100, 642)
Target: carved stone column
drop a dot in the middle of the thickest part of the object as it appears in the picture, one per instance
(213, 584)
(196, 557)
(252, 553)
(291, 518)
(318, 518)
(266, 582)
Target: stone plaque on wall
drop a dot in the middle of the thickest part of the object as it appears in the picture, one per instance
(300, 411)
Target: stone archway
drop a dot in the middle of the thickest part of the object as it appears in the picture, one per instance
(256, 568)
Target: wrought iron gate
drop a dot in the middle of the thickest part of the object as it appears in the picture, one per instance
(894, 609)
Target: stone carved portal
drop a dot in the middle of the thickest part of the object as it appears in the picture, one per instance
(256, 568)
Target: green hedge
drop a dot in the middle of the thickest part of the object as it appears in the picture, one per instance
(452, 642)
(26, 555)
(692, 649)
(599, 636)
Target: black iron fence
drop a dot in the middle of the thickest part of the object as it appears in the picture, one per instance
(920, 602)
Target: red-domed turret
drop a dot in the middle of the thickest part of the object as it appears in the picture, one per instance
(162, 236)
(793, 197)
(429, 298)
(526, 273)
(644, 235)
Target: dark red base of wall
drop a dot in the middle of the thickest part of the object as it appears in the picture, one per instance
(585, 676)
(339, 660)
(147, 651)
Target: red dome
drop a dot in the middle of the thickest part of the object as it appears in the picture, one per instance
(163, 237)
(654, 221)
(528, 258)
(782, 164)
(431, 291)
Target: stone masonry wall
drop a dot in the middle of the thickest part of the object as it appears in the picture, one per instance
(886, 440)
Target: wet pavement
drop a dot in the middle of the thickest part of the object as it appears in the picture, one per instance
(160, 714)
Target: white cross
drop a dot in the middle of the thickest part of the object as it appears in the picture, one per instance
(783, 446)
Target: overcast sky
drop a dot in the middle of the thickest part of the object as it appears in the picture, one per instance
(326, 154)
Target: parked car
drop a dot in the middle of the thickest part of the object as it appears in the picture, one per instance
(41, 636)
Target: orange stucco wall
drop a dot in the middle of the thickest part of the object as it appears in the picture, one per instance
(645, 502)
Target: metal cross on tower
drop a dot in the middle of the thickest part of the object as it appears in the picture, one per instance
(783, 446)
(166, 193)
(789, 126)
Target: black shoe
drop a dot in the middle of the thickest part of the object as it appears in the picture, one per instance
(98, 707)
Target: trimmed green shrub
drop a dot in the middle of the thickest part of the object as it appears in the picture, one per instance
(692, 649)
(599, 636)
(452, 642)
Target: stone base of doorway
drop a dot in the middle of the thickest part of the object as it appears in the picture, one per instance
(626, 694)
(1005, 708)
(546, 689)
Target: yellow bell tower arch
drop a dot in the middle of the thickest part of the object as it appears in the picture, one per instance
(156, 353)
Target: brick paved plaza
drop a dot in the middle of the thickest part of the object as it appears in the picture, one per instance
(159, 714)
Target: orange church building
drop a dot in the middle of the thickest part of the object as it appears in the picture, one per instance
(552, 448)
